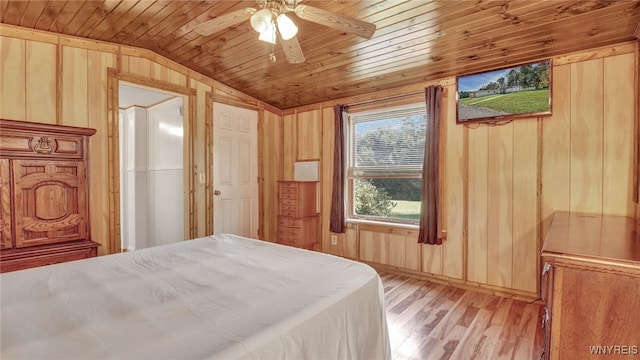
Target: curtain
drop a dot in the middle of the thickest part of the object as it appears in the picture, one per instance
(337, 220)
(430, 198)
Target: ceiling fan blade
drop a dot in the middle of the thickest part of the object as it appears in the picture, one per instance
(292, 50)
(336, 21)
(223, 21)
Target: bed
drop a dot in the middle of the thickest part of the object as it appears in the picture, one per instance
(217, 297)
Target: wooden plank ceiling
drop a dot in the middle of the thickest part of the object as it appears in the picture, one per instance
(415, 41)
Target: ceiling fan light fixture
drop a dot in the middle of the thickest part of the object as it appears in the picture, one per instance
(261, 20)
(286, 27)
(269, 35)
(270, 19)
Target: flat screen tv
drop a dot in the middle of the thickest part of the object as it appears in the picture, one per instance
(504, 94)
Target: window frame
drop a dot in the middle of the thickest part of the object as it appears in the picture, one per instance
(351, 177)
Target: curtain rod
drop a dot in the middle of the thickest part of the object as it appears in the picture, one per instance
(366, 102)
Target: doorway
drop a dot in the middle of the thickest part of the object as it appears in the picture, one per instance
(152, 170)
(235, 175)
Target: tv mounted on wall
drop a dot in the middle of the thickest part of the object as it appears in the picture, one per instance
(504, 94)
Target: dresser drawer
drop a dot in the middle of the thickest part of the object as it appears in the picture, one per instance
(303, 246)
(290, 240)
(290, 231)
(289, 196)
(288, 184)
(295, 208)
(289, 210)
(289, 222)
(48, 259)
(47, 255)
(297, 242)
(288, 202)
(288, 213)
(286, 188)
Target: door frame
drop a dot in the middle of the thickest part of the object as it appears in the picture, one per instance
(189, 96)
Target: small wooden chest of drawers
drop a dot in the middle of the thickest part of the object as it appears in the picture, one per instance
(298, 217)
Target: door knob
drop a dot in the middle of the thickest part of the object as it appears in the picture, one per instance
(217, 192)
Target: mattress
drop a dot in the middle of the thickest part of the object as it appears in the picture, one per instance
(219, 297)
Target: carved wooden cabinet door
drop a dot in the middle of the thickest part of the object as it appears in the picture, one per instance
(5, 205)
(49, 198)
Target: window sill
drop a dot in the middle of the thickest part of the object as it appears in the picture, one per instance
(382, 225)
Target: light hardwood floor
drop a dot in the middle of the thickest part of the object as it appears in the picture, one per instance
(432, 321)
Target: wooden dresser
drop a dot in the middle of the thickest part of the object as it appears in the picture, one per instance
(591, 287)
(44, 198)
(298, 216)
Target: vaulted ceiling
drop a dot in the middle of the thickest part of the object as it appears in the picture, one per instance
(415, 40)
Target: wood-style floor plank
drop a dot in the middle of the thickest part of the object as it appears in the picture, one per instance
(432, 321)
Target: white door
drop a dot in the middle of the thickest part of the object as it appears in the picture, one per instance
(235, 171)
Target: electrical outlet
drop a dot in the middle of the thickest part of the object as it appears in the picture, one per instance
(334, 240)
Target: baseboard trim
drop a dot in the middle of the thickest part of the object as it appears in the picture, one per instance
(459, 283)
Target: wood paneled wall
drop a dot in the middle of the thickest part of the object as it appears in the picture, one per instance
(271, 136)
(54, 80)
(501, 182)
(57, 79)
(588, 143)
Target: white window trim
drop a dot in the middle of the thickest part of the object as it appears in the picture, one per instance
(351, 217)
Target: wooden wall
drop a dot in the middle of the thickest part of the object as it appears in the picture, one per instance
(57, 79)
(501, 183)
(271, 136)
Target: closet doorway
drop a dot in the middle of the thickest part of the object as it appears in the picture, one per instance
(152, 171)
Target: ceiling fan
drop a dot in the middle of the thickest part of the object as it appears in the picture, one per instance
(270, 21)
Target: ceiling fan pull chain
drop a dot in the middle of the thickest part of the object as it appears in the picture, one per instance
(272, 55)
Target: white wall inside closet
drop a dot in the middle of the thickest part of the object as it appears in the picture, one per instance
(151, 173)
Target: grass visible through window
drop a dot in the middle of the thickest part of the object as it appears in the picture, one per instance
(404, 209)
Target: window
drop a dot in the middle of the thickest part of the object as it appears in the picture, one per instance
(386, 153)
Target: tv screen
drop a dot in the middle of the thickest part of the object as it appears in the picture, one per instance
(504, 94)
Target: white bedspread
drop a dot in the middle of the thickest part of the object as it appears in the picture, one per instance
(222, 297)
